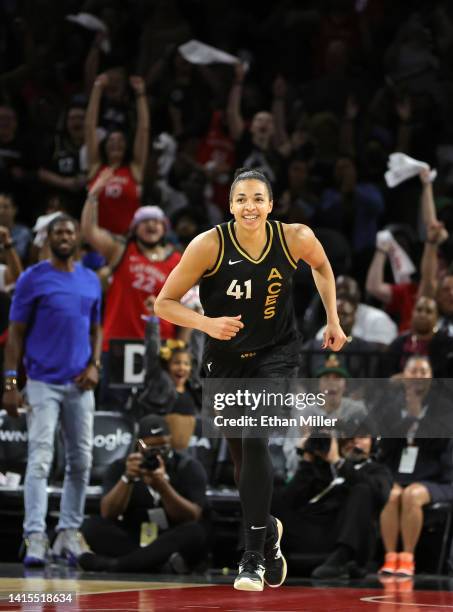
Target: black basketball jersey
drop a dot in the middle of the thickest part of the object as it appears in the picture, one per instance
(260, 290)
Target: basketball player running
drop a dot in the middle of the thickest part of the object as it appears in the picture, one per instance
(245, 270)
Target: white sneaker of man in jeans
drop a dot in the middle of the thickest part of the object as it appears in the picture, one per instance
(55, 323)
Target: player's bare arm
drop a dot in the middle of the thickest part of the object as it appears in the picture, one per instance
(199, 256)
(304, 245)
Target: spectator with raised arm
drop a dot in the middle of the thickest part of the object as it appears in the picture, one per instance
(114, 112)
(140, 265)
(120, 197)
(168, 387)
(260, 146)
(400, 298)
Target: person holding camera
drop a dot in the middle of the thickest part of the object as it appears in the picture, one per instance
(151, 508)
(332, 504)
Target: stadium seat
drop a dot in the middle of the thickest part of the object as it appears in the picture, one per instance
(432, 548)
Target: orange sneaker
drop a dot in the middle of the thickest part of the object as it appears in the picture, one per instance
(406, 565)
(390, 563)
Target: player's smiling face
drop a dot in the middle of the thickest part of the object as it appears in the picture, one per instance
(250, 203)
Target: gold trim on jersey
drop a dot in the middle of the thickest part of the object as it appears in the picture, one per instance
(220, 254)
(284, 245)
(243, 253)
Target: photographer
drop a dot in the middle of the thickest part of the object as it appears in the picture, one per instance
(332, 504)
(151, 508)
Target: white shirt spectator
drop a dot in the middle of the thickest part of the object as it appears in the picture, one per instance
(372, 325)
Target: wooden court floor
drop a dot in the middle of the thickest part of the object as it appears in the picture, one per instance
(123, 593)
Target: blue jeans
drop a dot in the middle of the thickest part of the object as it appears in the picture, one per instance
(74, 408)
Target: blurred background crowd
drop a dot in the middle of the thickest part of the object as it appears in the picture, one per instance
(320, 96)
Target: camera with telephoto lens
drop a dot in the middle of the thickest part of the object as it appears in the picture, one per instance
(150, 461)
(318, 443)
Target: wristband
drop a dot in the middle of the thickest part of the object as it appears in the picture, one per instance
(8, 245)
(125, 478)
(381, 251)
(431, 242)
(12, 373)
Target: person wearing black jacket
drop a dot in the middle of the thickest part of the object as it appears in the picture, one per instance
(417, 450)
(423, 338)
(333, 502)
(151, 509)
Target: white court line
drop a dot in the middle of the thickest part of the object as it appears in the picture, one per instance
(201, 607)
(380, 599)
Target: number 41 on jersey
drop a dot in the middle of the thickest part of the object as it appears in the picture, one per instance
(235, 289)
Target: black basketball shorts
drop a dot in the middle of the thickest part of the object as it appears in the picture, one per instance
(280, 361)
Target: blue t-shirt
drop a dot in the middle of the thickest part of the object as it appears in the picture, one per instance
(59, 309)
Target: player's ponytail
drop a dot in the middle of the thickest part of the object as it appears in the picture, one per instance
(250, 174)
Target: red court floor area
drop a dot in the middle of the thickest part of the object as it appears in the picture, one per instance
(223, 598)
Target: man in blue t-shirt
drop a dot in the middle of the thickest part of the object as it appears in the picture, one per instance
(55, 324)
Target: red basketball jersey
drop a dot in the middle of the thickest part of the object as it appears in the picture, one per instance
(135, 279)
(118, 201)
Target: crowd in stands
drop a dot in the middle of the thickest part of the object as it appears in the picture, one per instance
(116, 129)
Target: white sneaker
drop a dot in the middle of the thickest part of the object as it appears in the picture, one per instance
(36, 546)
(69, 545)
(251, 572)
